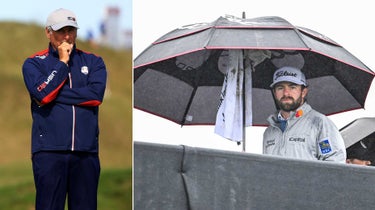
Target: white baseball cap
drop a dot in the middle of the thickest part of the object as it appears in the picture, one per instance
(289, 74)
(61, 18)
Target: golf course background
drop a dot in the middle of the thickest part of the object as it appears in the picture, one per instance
(19, 41)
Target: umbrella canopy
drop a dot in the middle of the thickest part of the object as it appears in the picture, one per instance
(359, 138)
(357, 130)
(180, 76)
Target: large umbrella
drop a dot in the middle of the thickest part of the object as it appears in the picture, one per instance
(359, 138)
(180, 76)
(357, 130)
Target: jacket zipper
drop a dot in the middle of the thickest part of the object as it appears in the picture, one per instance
(284, 138)
(73, 114)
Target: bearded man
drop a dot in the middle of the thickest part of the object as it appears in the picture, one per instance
(296, 130)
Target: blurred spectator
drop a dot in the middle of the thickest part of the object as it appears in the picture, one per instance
(361, 153)
(90, 38)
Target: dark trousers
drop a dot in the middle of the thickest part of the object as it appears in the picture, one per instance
(61, 174)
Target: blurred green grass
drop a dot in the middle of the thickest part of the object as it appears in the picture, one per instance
(19, 41)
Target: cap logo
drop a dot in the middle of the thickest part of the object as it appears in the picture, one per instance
(72, 18)
(289, 74)
(284, 73)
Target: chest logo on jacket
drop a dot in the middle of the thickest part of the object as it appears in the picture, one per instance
(85, 70)
(297, 139)
(270, 143)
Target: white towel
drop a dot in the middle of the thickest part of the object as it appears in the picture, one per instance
(229, 118)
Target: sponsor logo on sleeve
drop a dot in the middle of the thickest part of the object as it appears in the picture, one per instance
(325, 147)
(45, 83)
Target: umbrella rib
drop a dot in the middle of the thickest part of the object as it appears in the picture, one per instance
(301, 38)
(188, 105)
(212, 31)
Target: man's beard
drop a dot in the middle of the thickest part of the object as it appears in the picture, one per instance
(289, 106)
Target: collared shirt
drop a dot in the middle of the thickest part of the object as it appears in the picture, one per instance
(283, 122)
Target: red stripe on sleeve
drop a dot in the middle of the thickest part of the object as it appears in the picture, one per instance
(91, 103)
(50, 97)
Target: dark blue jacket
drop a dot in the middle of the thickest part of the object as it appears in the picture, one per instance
(65, 100)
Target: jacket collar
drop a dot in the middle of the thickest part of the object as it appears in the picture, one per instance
(294, 115)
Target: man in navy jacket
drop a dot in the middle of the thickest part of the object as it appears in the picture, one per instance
(66, 87)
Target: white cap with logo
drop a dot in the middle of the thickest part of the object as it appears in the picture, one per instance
(289, 74)
(61, 18)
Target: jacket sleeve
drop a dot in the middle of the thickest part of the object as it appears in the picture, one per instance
(42, 83)
(90, 95)
(330, 143)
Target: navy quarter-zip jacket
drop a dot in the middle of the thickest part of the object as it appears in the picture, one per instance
(65, 100)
